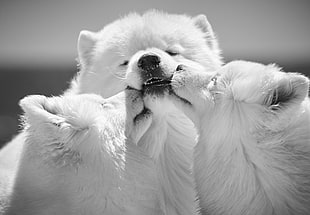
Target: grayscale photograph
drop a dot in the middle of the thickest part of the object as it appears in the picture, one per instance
(154, 107)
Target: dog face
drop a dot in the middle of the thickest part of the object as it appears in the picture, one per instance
(248, 115)
(106, 55)
(81, 149)
(82, 124)
(265, 91)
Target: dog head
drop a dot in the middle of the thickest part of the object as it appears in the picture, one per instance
(105, 56)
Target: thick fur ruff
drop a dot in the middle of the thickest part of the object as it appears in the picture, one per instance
(80, 158)
(253, 152)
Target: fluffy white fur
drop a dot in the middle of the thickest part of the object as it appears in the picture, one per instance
(169, 141)
(253, 153)
(171, 137)
(80, 157)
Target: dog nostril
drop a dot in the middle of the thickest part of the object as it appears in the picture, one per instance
(148, 60)
(179, 67)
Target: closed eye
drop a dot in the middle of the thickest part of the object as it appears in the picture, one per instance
(172, 53)
(125, 63)
(279, 98)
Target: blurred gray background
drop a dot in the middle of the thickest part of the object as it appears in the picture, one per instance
(38, 39)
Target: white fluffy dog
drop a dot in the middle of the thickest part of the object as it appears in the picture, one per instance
(81, 157)
(253, 153)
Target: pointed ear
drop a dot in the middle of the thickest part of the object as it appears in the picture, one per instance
(291, 89)
(42, 113)
(86, 43)
(203, 24)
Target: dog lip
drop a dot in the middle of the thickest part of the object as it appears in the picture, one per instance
(157, 81)
(144, 113)
(173, 93)
(130, 88)
(156, 85)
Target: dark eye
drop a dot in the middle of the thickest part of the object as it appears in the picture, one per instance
(125, 63)
(172, 53)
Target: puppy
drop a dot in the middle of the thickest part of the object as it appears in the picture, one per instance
(81, 157)
(253, 152)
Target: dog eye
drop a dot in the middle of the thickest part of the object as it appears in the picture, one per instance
(172, 53)
(125, 63)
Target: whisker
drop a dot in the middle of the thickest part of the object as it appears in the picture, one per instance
(119, 74)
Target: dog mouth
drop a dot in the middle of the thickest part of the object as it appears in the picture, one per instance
(161, 85)
(156, 85)
(145, 112)
(183, 100)
(157, 82)
(172, 91)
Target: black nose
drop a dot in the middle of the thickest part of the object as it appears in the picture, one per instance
(148, 61)
(180, 67)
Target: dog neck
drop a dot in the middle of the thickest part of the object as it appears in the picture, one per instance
(170, 142)
(234, 168)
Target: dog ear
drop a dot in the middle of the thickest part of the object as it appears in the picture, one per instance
(203, 24)
(86, 43)
(43, 115)
(292, 88)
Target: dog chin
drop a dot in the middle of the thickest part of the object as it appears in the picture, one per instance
(180, 97)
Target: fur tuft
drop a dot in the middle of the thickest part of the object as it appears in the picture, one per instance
(253, 158)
